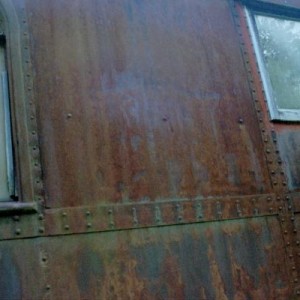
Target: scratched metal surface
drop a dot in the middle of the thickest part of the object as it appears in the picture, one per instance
(142, 101)
(217, 260)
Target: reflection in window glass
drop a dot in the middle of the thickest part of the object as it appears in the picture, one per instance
(280, 45)
(6, 164)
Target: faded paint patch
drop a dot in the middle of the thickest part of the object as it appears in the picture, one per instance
(10, 284)
(91, 271)
(289, 147)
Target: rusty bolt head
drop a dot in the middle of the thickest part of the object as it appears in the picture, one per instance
(16, 218)
(89, 225)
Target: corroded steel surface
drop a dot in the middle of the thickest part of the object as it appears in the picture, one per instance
(150, 114)
(238, 259)
(138, 102)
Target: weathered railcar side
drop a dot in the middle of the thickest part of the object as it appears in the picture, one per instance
(148, 166)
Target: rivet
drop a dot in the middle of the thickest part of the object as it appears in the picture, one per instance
(298, 292)
(295, 230)
(292, 219)
(296, 280)
(278, 198)
(110, 211)
(241, 121)
(87, 213)
(41, 217)
(48, 286)
(282, 220)
(287, 243)
(280, 207)
(67, 227)
(16, 218)
(298, 243)
(289, 207)
(41, 229)
(268, 150)
(33, 132)
(271, 209)
(291, 256)
(44, 258)
(89, 225)
(64, 214)
(275, 182)
(269, 199)
(284, 182)
(293, 268)
(32, 117)
(69, 115)
(18, 231)
(298, 254)
(285, 232)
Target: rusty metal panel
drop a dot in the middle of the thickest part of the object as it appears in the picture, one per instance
(289, 146)
(22, 270)
(143, 101)
(221, 260)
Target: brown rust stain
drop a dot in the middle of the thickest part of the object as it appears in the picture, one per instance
(137, 101)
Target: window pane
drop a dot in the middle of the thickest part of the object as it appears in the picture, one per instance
(6, 166)
(280, 44)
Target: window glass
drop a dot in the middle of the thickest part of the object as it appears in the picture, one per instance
(6, 165)
(279, 41)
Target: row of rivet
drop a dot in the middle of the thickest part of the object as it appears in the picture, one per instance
(179, 213)
(33, 142)
(290, 238)
(272, 154)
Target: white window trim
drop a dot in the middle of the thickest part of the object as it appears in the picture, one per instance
(276, 113)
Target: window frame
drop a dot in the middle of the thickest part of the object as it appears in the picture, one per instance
(276, 113)
(27, 165)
